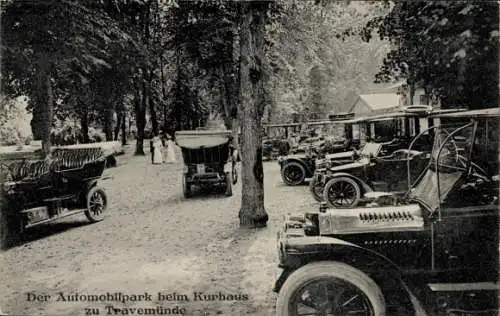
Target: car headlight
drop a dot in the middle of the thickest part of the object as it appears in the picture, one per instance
(185, 169)
(280, 159)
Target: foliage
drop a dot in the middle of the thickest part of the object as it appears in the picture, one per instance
(448, 47)
(51, 48)
(67, 131)
(315, 68)
(14, 122)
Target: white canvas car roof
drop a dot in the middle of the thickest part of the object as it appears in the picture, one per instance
(198, 139)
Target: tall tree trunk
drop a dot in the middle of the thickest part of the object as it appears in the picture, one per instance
(43, 110)
(118, 125)
(84, 123)
(223, 93)
(108, 124)
(140, 118)
(252, 59)
(152, 112)
(164, 95)
(123, 125)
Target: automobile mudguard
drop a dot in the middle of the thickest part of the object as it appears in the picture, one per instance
(300, 161)
(307, 249)
(364, 185)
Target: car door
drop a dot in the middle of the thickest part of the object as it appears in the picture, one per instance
(386, 172)
(466, 242)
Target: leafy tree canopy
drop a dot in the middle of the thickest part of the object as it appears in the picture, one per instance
(448, 47)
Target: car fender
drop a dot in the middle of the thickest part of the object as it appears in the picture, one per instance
(308, 249)
(364, 185)
(297, 160)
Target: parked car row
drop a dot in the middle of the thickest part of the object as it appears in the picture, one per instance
(398, 231)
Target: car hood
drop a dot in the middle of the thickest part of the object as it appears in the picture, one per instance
(371, 220)
(346, 154)
(353, 165)
(294, 156)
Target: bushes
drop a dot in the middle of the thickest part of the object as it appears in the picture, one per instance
(15, 121)
(68, 132)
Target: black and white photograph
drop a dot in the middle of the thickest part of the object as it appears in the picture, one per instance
(249, 157)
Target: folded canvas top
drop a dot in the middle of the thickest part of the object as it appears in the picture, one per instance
(199, 139)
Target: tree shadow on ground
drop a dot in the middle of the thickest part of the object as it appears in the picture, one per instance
(40, 232)
(208, 193)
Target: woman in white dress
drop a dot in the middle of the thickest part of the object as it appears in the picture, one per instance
(157, 154)
(170, 150)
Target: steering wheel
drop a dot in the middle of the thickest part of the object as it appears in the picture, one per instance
(449, 153)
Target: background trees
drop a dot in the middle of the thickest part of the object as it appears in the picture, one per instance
(50, 48)
(448, 47)
(148, 66)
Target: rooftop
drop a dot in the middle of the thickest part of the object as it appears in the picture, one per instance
(379, 101)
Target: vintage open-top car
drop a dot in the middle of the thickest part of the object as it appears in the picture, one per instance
(301, 163)
(361, 166)
(433, 251)
(345, 185)
(297, 167)
(272, 148)
(209, 160)
(41, 191)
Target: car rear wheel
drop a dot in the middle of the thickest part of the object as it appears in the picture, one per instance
(342, 192)
(330, 288)
(316, 188)
(97, 203)
(293, 173)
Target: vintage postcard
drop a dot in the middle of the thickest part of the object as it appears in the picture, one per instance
(244, 157)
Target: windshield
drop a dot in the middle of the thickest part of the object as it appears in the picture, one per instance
(371, 149)
(449, 159)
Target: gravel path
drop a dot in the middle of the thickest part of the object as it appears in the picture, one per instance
(153, 241)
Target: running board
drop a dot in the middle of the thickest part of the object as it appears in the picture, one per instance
(457, 287)
(51, 219)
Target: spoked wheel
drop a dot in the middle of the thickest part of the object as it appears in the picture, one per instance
(342, 192)
(293, 173)
(330, 289)
(316, 189)
(97, 203)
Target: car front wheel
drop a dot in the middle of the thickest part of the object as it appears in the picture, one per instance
(293, 173)
(342, 192)
(330, 288)
(97, 203)
(316, 189)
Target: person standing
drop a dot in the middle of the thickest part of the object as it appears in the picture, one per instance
(157, 150)
(170, 150)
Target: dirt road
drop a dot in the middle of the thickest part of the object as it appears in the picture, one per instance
(155, 247)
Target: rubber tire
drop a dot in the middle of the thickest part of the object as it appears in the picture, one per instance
(91, 217)
(293, 163)
(186, 190)
(312, 183)
(346, 179)
(229, 187)
(330, 269)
